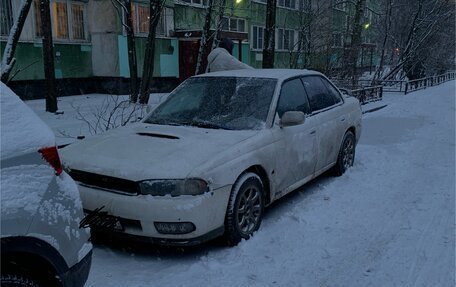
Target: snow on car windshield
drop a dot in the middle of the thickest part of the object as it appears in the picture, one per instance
(217, 102)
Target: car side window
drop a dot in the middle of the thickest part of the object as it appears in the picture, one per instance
(332, 91)
(293, 98)
(318, 94)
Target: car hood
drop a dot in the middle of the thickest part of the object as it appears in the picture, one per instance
(146, 151)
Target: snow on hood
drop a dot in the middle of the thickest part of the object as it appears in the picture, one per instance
(145, 151)
(22, 130)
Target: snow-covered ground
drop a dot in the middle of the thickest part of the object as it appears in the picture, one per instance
(389, 221)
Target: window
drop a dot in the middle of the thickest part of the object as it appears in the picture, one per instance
(201, 3)
(287, 4)
(293, 98)
(60, 20)
(77, 10)
(337, 40)
(341, 5)
(285, 39)
(257, 37)
(140, 19)
(318, 94)
(68, 20)
(332, 91)
(37, 10)
(6, 18)
(233, 24)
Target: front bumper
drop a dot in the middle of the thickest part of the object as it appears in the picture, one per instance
(138, 213)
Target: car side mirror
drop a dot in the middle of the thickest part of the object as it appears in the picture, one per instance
(292, 118)
(345, 92)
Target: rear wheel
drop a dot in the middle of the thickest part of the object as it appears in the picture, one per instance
(346, 155)
(245, 209)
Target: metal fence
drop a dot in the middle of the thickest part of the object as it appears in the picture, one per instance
(368, 94)
(423, 83)
(367, 91)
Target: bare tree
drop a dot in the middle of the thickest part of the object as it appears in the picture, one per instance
(413, 34)
(123, 8)
(386, 27)
(155, 9)
(355, 45)
(48, 57)
(204, 37)
(8, 59)
(218, 23)
(269, 35)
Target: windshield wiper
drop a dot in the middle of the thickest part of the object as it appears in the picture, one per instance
(163, 122)
(206, 124)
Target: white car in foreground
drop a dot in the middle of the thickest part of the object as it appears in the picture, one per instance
(209, 159)
(41, 242)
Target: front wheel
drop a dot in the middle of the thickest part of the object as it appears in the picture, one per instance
(346, 155)
(245, 209)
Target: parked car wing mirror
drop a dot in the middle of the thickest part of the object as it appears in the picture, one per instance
(346, 92)
(292, 118)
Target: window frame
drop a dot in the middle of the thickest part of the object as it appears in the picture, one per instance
(253, 41)
(341, 39)
(203, 4)
(237, 19)
(282, 41)
(162, 21)
(69, 12)
(11, 18)
(299, 78)
(328, 107)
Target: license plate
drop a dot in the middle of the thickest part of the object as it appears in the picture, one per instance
(101, 219)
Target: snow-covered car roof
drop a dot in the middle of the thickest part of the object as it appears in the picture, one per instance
(22, 130)
(279, 74)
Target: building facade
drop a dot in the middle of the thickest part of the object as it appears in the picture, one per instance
(90, 42)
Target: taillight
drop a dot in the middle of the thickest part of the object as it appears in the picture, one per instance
(51, 155)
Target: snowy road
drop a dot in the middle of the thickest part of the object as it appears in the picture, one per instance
(389, 221)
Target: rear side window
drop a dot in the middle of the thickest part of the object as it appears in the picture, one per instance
(318, 94)
(332, 91)
(293, 98)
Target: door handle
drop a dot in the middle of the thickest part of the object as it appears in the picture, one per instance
(342, 119)
(313, 132)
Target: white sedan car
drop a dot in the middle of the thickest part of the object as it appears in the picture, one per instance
(208, 160)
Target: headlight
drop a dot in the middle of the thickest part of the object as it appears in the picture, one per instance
(173, 187)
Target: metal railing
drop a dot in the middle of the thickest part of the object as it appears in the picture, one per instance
(388, 85)
(423, 83)
(368, 94)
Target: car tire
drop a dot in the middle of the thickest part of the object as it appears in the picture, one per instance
(14, 280)
(245, 209)
(346, 155)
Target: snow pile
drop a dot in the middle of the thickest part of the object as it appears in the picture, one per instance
(21, 130)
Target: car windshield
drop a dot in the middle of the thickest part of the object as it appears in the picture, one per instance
(217, 102)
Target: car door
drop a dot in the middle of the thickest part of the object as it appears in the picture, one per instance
(326, 112)
(295, 145)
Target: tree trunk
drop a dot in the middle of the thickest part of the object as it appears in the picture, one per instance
(385, 40)
(204, 37)
(356, 40)
(132, 61)
(8, 59)
(48, 57)
(218, 27)
(155, 9)
(269, 35)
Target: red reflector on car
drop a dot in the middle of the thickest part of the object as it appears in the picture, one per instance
(51, 155)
